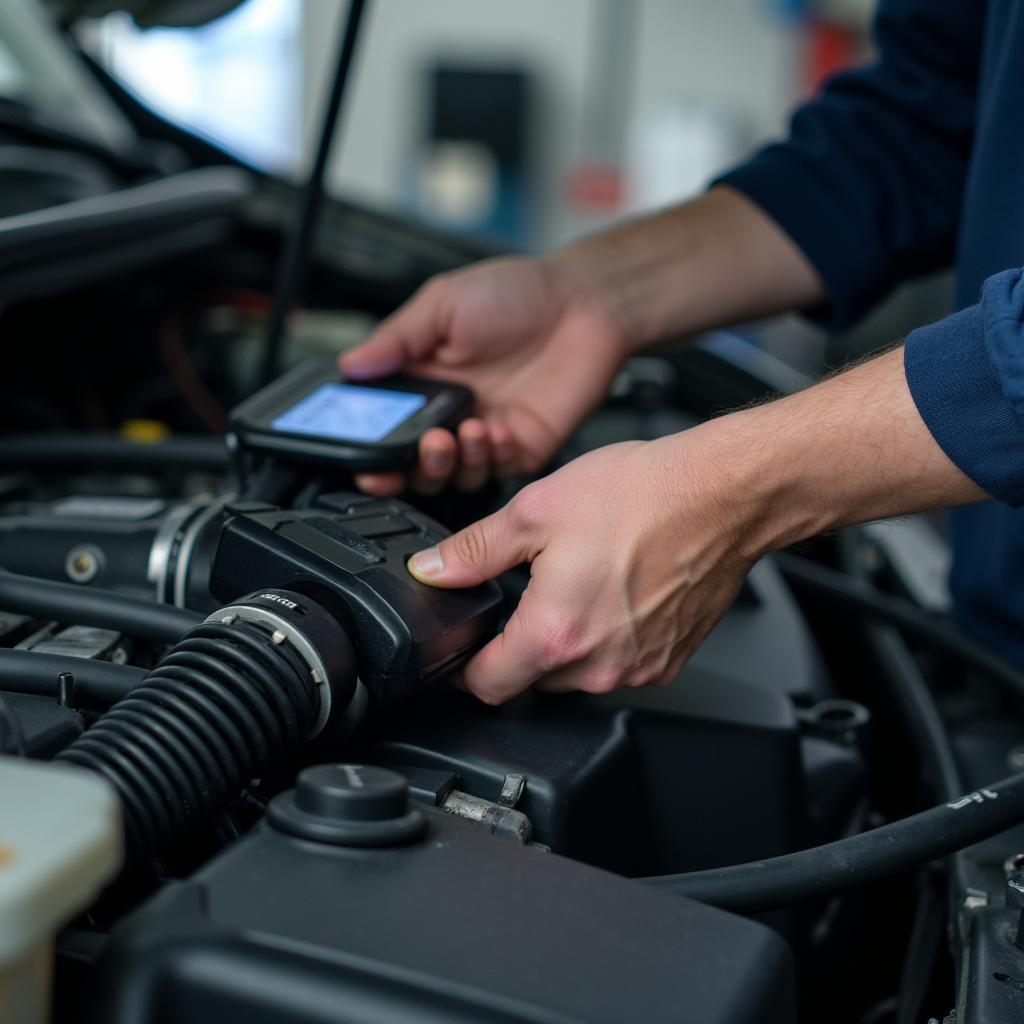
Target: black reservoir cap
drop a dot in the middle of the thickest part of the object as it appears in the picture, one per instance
(348, 805)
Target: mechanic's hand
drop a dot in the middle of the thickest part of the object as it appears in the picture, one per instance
(537, 351)
(634, 557)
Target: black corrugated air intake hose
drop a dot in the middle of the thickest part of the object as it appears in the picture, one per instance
(235, 697)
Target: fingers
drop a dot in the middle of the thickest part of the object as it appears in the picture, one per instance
(406, 336)
(590, 675)
(467, 457)
(596, 676)
(478, 553)
(438, 454)
(380, 485)
(441, 457)
(503, 449)
(474, 456)
(505, 667)
(604, 672)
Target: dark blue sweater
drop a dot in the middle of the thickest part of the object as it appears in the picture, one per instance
(905, 166)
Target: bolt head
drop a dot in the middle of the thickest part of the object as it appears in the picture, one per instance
(83, 564)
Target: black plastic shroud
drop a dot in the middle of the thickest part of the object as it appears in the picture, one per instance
(349, 553)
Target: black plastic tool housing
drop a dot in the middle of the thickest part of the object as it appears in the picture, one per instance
(349, 552)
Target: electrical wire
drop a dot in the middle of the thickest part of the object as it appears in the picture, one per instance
(296, 253)
(907, 685)
(869, 857)
(926, 935)
(89, 606)
(187, 380)
(862, 597)
(919, 711)
(111, 452)
(272, 483)
(931, 739)
(12, 736)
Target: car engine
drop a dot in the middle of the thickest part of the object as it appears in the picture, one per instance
(237, 783)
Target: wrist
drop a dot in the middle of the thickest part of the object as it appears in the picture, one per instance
(715, 260)
(584, 276)
(775, 473)
(637, 275)
(764, 490)
(851, 449)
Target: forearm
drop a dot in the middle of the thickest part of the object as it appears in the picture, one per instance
(708, 263)
(849, 450)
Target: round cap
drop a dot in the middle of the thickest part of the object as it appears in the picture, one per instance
(352, 792)
(348, 805)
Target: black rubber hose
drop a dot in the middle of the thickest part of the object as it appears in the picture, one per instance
(98, 684)
(919, 711)
(12, 736)
(89, 606)
(111, 451)
(221, 708)
(859, 860)
(840, 588)
(907, 685)
(917, 705)
(926, 936)
(271, 483)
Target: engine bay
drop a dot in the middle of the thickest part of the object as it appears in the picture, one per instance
(478, 844)
(307, 821)
(606, 782)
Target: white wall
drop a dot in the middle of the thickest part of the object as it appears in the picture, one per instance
(729, 52)
(403, 36)
(733, 52)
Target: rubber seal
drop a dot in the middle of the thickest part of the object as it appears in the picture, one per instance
(285, 816)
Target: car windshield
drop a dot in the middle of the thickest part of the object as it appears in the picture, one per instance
(39, 71)
(236, 80)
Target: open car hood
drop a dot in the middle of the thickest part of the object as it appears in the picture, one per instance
(145, 13)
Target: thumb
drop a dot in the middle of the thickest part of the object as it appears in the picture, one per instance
(477, 553)
(404, 337)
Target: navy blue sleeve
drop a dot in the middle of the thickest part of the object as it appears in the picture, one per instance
(966, 375)
(869, 183)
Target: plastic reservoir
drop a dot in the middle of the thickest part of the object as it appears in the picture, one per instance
(60, 842)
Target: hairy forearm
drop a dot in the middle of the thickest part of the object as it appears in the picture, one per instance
(708, 263)
(848, 450)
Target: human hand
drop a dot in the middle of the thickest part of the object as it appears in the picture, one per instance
(634, 552)
(538, 351)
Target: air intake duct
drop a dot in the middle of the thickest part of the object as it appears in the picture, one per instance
(234, 698)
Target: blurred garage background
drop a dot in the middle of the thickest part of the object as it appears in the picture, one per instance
(529, 123)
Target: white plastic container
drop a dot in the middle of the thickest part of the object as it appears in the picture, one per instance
(60, 842)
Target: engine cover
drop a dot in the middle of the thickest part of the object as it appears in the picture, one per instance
(458, 926)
